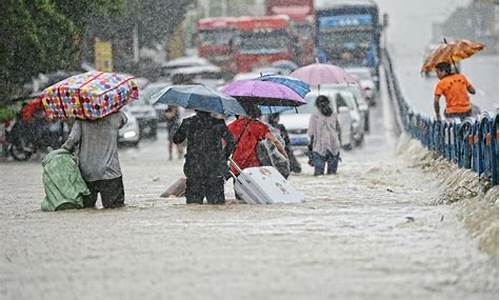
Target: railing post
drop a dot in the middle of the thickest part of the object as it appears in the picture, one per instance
(494, 149)
(485, 145)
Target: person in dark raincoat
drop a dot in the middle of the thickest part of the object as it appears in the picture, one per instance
(206, 157)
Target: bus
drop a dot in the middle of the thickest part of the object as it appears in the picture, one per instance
(301, 13)
(215, 36)
(348, 34)
(263, 40)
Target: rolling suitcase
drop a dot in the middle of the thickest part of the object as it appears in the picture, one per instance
(264, 185)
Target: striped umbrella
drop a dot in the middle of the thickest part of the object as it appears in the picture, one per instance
(296, 85)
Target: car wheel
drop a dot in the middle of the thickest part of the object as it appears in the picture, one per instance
(347, 147)
(19, 153)
(359, 142)
(154, 132)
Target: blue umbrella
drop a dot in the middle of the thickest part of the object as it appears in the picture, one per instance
(296, 85)
(199, 97)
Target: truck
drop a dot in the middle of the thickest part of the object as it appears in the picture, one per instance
(348, 34)
(301, 13)
(261, 41)
(214, 40)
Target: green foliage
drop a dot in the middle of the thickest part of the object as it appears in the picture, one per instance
(42, 36)
(48, 35)
(7, 114)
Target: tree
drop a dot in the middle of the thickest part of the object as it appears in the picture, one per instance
(156, 21)
(42, 36)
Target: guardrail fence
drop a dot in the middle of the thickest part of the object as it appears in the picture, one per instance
(471, 143)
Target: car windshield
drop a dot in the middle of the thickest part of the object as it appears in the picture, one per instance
(345, 39)
(357, 93)
(351, 47)
(264, 42)
(216, 37)
(349, 100)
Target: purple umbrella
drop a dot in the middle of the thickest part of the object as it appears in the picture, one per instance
(263, 93)
(316, 74)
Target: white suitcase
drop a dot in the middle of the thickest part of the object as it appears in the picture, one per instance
(264, 185)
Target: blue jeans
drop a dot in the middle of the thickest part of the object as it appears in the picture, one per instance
(329, 159)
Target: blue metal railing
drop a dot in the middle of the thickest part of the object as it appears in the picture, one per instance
(471, 143)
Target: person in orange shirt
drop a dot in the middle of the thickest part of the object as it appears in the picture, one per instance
(455, 89)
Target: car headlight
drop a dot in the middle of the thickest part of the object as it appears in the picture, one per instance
(129, 134)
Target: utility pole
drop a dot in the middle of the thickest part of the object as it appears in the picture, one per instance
(135, 42)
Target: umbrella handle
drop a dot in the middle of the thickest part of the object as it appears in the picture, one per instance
(451, 58)
(454, 65)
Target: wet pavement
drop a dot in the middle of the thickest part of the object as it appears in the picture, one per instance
(370, 232)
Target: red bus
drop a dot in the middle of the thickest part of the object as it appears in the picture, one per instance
(262, 40)
(214, 39)
(301, 13)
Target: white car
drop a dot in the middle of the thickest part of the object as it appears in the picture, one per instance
(360, 99)
(208, 75)
(182, 62)
(146, 116)
(366, 80)
(263, 71)
(257, 72)
(297, 122)
(357, 129)
(129, 134)
(149, 91)
(246, 76)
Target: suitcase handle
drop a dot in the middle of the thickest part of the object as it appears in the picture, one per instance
(235, 165)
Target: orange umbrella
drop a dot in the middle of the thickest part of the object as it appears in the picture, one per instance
(451, 52)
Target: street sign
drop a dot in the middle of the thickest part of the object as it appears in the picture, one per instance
(103, 56)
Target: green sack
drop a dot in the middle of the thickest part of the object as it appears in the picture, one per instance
(62, 181)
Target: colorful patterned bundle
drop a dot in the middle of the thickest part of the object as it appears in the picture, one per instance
(89, 96)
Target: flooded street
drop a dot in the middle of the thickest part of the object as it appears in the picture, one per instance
(371, 232)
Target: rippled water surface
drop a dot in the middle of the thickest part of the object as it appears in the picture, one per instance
(371, 232)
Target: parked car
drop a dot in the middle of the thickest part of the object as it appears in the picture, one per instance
(361, 102)
(297, 122)
(286, 66)
(182, 62)
(366, 81)
(129, 134)
(263, 71)
(357, 129)
(146, 116)
(149, 91)
(208, 75)
(246, 76)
